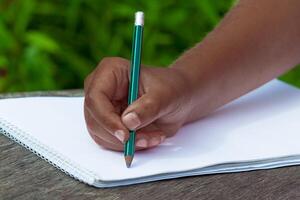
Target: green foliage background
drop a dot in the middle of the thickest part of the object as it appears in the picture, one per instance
(54, 44)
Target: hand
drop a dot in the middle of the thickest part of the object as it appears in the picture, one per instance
(158, 113)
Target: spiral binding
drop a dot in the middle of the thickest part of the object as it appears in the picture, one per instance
(46, 153)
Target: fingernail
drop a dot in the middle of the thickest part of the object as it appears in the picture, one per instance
(131, 120)
(142, 143)
(154, 141)
(120, 135)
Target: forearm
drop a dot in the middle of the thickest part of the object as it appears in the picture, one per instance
(257, 41)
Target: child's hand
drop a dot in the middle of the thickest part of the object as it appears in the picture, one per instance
(158, 113)
(235, 58)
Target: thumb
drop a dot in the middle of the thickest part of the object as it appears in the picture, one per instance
(142, 112)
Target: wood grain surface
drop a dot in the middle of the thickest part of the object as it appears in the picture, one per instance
(24, 176)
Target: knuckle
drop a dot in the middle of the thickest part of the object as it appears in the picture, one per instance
(89, 100)
(113, 62)
(151, 105)
(106, 122)
(110, 60)
(149, 102)
(106, 60)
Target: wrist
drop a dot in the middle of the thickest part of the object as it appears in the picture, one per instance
(184, 97)
(201, 88)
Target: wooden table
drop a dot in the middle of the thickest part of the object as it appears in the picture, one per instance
(23, 175)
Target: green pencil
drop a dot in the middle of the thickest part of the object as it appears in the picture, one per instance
(136, 53)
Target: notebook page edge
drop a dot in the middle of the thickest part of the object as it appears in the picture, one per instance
(211, 169)
(46, 153)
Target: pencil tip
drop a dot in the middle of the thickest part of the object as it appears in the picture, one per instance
(128, 160)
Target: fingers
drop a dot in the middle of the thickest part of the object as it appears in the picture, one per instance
(100, 135)
(101, 109)
(143, 141)
(149, 137)
(106, 91)
(142, 112)
(146, 138)
(106, 144)
(111, 78)
(107, 84)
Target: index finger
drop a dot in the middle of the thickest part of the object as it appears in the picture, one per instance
(109, 82)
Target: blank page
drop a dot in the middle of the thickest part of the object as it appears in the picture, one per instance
(260, 125)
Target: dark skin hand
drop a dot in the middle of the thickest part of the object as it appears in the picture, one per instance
(108, 117)
(257, 41)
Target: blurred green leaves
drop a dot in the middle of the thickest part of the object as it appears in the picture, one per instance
(54, 44)
(41, 41)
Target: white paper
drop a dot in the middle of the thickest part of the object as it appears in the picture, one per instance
(259, 126)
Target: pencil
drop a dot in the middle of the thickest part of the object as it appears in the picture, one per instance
(135, 66)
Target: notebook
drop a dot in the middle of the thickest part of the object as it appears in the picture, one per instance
(257, 131)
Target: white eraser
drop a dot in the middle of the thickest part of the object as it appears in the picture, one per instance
(139, 18)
